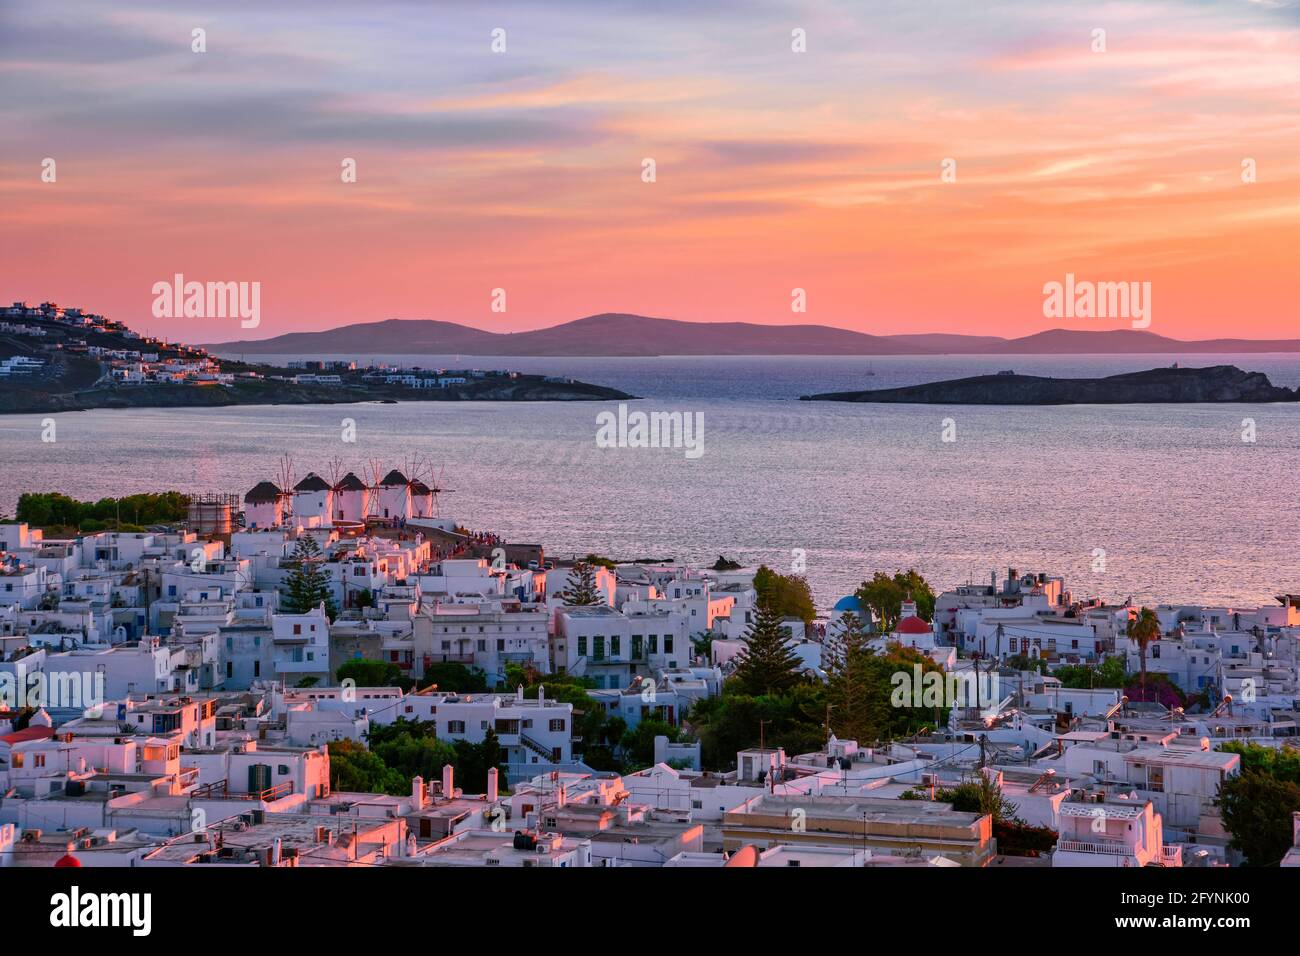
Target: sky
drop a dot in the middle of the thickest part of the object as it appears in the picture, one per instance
(523, 169)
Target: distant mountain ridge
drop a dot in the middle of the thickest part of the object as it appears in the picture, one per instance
(621, 334)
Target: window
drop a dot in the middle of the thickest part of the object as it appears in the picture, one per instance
(668, 643)
(654, 643)
(615, 645)
(557, 725)
(297, 628)
(455, 726)
(598, 649)
(501, 646)
(582, 646)
(482, 646)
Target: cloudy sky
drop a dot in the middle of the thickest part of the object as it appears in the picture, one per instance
(775, 170)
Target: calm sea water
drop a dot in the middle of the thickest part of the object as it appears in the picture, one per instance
(1183, 508)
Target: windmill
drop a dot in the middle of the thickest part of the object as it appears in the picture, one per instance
(284, 481)
(421, 470)
(334, 468)
(437, 484)
(374, 471)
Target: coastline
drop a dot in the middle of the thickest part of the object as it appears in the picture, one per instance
(524, 389)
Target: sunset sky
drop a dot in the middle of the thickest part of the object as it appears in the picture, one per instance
(775, 169)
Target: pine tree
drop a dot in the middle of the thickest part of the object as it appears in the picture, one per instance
(581, 590)
(767, 665)
(307, 586)
(849, 680)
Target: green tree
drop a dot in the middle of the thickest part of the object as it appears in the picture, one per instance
(411, 755)
(849, 679)
(455, 677)
(766, 665)
(916, 588)
(1144, 629)
(885, 595)
(979, 793)
(1280, 764)
(738, 721)
(1110, 674)
(638, 744)
(1256, 810)
(581, 589)
(307, 585)
(368, 673)
(473, 761)
(789, 594)
(355, 769)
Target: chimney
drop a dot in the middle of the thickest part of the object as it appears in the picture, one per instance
(417, 793)
(492, 784)
(448, 781)
(561, 796)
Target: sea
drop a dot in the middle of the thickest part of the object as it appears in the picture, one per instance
(1159, 503)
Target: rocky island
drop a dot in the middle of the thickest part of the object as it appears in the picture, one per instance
(54, 359)
(1217, 383)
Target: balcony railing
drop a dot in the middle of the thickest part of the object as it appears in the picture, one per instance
(1106, 847)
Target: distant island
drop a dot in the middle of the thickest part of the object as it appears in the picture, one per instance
(619, 334)
(54, 359)
(1217, 383)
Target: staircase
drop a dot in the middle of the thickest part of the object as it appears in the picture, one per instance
(536, 748)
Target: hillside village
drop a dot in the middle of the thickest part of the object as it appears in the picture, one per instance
(55, 358)
(254, 685)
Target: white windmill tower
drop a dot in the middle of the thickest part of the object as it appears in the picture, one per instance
(427, 483)
(352, 496)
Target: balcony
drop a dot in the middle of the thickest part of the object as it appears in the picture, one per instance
(1171, 855)
(1104, 847)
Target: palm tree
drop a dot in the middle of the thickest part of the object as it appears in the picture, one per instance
(1144, 629)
